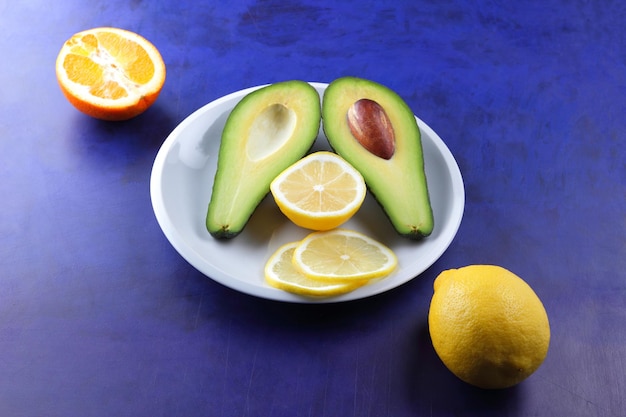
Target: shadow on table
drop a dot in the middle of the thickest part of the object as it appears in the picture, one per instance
(433, 388)
(131, 138)
(300, 316)
(378, 327)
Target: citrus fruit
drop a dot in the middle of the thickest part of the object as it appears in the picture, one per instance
(281, 273)
(341, 255)
(110, 73)
(320, 192)
(488, 326)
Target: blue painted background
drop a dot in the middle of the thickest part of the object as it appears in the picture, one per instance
(100, 316)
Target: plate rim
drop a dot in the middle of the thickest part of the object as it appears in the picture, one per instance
(191, 256)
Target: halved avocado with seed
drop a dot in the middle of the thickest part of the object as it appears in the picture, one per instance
(371, 127)
(267, 131)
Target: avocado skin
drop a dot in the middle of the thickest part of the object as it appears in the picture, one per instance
(398, 184)
(241, 183)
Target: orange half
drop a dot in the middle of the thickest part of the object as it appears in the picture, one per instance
(110, 73)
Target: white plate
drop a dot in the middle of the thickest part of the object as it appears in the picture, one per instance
(180, 188)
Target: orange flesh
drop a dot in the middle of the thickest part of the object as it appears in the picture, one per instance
(100, 62)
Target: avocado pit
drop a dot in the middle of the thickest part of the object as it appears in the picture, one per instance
(372, 128)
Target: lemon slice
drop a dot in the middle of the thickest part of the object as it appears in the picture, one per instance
(342, 255)
(319, 192)
(280, 273)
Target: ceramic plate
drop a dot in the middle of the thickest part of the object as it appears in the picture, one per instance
(180, 188)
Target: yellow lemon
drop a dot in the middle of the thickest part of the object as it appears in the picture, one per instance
(319, 192)
(280, 273)
(488, 326)
(342, 255)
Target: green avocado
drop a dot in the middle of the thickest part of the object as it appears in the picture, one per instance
(267, 131)
(371, 127)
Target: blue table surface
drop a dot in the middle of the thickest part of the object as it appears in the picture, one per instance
(100, 316)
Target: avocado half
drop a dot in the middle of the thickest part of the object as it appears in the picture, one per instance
(372, 127)
(267, 131)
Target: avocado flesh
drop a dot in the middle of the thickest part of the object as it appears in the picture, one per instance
(398, 183)
(266, 132)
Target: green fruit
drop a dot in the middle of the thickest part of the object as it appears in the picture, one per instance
(371, 127)
(267, 131)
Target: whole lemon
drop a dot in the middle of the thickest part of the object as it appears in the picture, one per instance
(488, 326)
